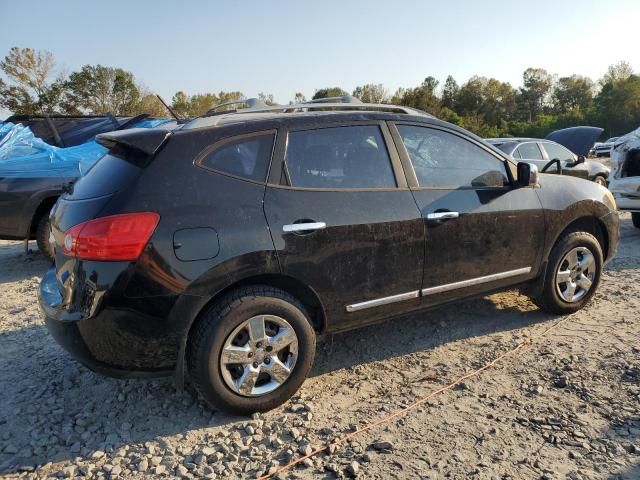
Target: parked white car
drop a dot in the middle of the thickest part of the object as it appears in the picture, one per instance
(605, 148)
(624, 180)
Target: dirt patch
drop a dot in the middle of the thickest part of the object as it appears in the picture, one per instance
(567, 406)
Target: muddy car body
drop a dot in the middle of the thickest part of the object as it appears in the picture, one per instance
(239, 237)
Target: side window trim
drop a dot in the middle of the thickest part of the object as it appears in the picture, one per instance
(412, 178)
(231, 139)
(279, 175)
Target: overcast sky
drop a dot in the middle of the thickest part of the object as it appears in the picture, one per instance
(282, 47)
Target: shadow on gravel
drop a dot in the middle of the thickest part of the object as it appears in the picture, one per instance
(420, 332)
(632, 473)
(21, 265)
(54, 409)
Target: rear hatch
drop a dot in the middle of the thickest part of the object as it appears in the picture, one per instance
(130, 152)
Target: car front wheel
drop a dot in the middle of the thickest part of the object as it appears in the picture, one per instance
(635, 218)
(600, 180)
(573, 273)
(251, 350)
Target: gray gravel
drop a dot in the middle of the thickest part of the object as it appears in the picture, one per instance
(567, 407)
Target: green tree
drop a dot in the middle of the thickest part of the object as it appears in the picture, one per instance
(616, 73)
(533, 94)
(31, 89)
(97, 89)
(422, 97)
(328, 93)
(266, 98)
(298, 98)
(371, 93)
(574, 92)
(617, 106)
(450, 93)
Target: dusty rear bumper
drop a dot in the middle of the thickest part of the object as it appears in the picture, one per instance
(120, 343)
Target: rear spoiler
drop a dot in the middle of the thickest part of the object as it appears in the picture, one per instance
(144, 140)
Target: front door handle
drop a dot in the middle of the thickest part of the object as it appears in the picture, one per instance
(303, 227)
(442, 215)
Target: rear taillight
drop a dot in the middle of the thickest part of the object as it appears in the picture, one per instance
(117, 237)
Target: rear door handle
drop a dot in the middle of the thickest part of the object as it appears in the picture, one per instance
(442, 215)
(303, 227)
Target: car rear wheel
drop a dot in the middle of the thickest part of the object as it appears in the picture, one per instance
(600, 180)
(42, 236)
(573, 273)
(635, 218)
(251, 350)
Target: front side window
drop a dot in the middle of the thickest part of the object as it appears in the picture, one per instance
(246, 157)
(530, 151)
(442, 159)
(555, 151)
(338, 158)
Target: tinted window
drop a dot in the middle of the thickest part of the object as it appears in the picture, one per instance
(441, 159)
(245, 157)
(530, 151)
(557, 151)
(341, 157)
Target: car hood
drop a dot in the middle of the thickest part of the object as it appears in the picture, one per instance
(577, 139)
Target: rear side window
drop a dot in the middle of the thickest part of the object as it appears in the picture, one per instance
(529, 151)
(557, 151)
(338, 158)
(246, 157)
(442, 159)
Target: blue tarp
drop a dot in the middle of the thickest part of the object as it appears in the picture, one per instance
(23, 155)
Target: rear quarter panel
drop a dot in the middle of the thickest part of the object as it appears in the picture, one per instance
(19, 200)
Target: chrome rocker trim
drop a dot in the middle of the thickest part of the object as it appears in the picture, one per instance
(438, 289)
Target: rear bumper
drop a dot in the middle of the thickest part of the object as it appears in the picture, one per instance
(117, 342)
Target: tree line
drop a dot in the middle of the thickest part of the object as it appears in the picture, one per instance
(486, 106)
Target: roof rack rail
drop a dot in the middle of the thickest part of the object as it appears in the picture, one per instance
(342, 99)
(249, 102)
(313, 106)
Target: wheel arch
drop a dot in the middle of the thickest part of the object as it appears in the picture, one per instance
(291, 285)
(44, 206)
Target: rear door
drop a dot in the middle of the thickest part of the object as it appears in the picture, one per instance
(482, 232)
(344, 222)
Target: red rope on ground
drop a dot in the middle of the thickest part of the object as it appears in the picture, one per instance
(415, 404)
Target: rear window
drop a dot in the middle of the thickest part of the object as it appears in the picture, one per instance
(246, 156)
(110, 174)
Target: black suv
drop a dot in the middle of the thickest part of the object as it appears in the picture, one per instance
(220, 249)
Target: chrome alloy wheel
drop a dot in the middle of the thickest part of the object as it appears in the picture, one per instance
(575, 274)
(259, 355)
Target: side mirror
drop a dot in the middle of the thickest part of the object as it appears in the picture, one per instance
(527, 174)
(581, 159)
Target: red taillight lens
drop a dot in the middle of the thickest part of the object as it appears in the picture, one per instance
(117, 237)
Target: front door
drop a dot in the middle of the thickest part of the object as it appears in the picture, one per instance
(345, 224)
(482, 231)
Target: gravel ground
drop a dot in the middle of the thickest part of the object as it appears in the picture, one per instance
(566, 406)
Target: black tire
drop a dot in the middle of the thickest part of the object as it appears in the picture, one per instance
(42, 236)
(215, 325)
(600, 180)
(550, 299)
(635, 218)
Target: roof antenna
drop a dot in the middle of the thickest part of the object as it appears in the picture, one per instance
(173, 114)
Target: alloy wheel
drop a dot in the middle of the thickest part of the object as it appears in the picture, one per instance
(575, 274)
(259, 355)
